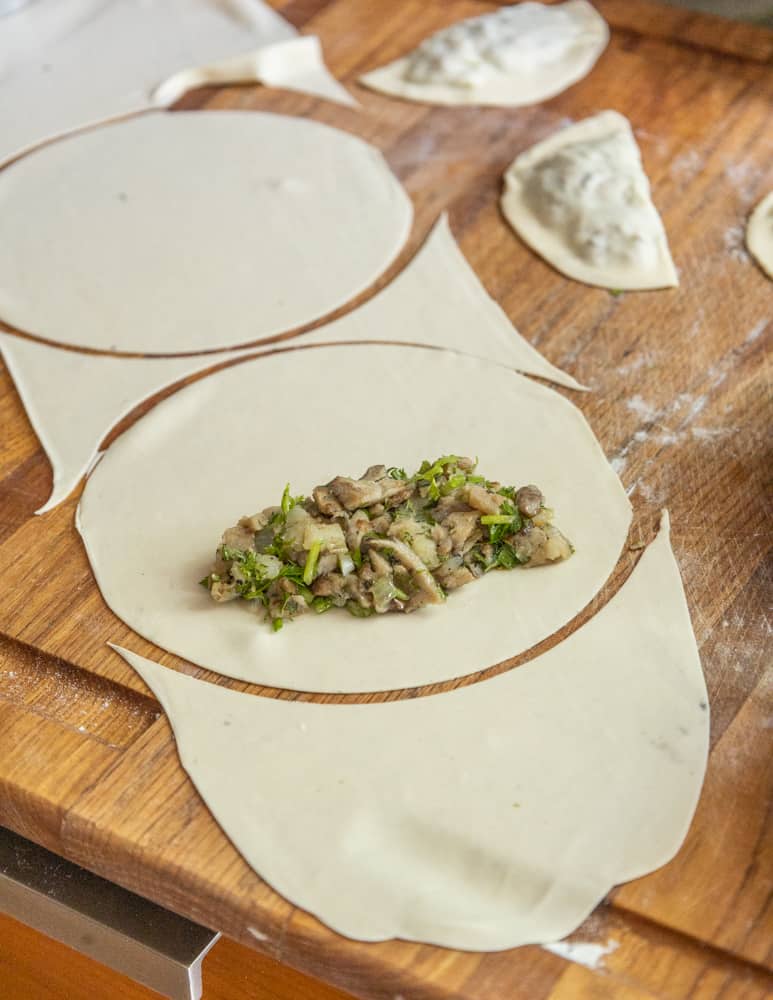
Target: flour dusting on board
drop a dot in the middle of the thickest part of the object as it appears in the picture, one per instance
(756, 331)
(734, 242)
(645, 360)
(683, 168)
(583, 952)
(643, 410)
(745, 178)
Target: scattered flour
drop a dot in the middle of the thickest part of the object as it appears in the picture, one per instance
(652, 494)
(583, 952)
(698, 404)
(642, 409)
(657, 141)
(711, 433)
(647, 360)
(685, 167)
(756, 331)
(734, 241)
(745, 179)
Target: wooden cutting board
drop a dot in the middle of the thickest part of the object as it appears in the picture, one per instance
(680, 393)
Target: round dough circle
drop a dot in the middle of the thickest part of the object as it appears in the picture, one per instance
(759, 234)
(172, 233)
(155, 507)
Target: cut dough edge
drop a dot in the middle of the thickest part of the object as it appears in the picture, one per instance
(293, 64)
(281, 58)
(549, 246)
(340, 217)
(483, 818)
(407, 400)
(504, 91)
(92, 393)
(759, 234)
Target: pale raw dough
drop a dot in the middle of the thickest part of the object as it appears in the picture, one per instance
(155, 507)
(582, 201)
(294, 64)
(759, 234)
(69, 63)
(179, 232)
(438, 300)
(488, 817)
(521, 54)
(74, 399)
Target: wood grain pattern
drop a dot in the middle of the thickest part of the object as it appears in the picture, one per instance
(680, 402)
(34, 967)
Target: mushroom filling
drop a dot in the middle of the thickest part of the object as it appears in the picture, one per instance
(384, 542)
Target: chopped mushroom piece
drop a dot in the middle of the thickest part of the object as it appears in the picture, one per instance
(384, 542)
(418, 569)
(325, 501)
(529, 500)
(453, 574)
(462, 525)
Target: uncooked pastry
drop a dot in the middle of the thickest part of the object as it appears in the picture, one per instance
(227, 445)
(582, 201)
(70, 63)
(438, 300)
(759, 234)
(168, 233)
(517, 55)
(74, 399)
(484, 818)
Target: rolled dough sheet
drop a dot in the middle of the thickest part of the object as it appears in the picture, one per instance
(70, 63)
(546, 50)
(488, 817)
(438, 300)
(169, 233)
(581, 200)
(227, 445)
(759, 234)
(74, 399)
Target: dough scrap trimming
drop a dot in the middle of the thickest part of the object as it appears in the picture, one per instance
(483, 818)
(74, 399)
(70, 63)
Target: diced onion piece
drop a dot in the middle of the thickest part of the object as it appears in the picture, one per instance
(346, 563)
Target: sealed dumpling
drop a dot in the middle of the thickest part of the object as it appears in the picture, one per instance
(759, 234)
(519, 55)
(582, 201)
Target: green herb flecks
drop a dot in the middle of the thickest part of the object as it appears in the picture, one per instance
(427, 534)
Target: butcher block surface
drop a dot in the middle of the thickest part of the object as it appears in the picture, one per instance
(679, 399)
